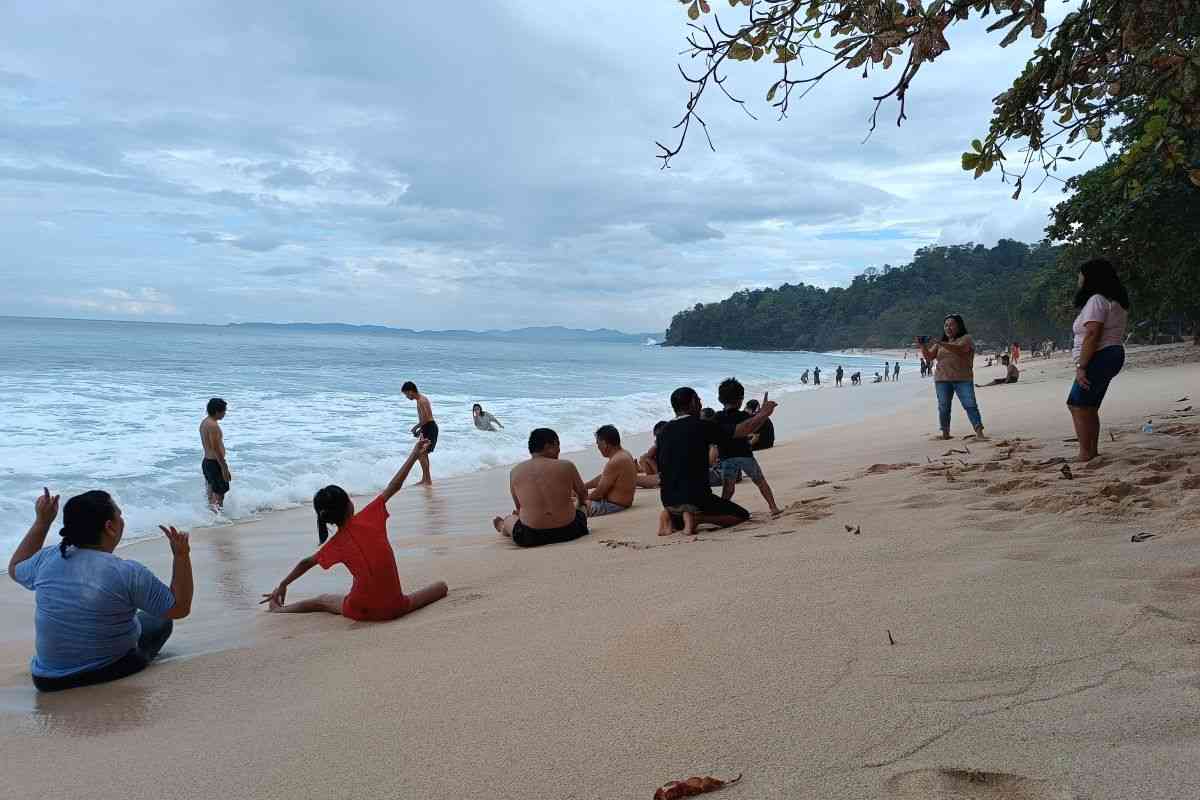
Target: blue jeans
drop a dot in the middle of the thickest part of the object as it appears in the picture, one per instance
(155, 632)
(966, 395)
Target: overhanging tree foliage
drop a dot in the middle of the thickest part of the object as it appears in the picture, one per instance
(1081, 76)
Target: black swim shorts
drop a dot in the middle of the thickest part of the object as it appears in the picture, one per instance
(214, 475)
(524, 536)
(430, 431)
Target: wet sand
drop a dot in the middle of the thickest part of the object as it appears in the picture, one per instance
(1038, 651)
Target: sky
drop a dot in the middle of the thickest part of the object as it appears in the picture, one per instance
(432, 165)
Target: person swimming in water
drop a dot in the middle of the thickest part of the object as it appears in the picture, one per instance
(361, 543)
(483, 420)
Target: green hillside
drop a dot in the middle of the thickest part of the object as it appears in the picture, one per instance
(1012, 291)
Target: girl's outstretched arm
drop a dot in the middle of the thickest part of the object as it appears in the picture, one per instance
(279, 593)
(398, 479)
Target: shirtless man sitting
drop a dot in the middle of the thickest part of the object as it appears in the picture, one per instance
(214, 466)
(549, 497)
(613, 489)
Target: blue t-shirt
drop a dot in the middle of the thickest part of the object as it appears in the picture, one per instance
(87, 606)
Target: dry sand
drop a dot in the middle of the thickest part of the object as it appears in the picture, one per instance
(1038, 652)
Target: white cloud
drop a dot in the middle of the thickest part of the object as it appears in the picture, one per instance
(142, 302)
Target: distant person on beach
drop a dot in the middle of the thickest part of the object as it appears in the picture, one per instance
(837, 378)
(361, 543)
(549, 498)
(683, 452)
(736, 453)
(483, 420)
(856, 379)
(1011, 374)
(1098, 348)
(896, 371)
(878, 378)
(614, 488)
(426, 428)
(804, 378)
(1014, 352)
(648, 461)
(98, 617)
(214, 466)
(954, 373)
(887, 371)
(764, 438)
(816, 376)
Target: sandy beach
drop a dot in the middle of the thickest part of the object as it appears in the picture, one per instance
(928, 619)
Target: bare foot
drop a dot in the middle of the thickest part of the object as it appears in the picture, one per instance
(498, 524)
(424, 482)
(979, 434)
(664, 531)
(945, 434)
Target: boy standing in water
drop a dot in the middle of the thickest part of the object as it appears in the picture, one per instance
(425, 428)
(215, 468)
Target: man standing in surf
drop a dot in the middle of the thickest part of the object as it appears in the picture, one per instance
(215, 468)
(425, 427)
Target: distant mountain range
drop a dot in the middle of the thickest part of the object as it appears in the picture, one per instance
(551, 333)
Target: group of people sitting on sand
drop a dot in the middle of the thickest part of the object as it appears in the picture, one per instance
(100, 617)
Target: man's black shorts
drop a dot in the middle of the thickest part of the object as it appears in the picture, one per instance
(430, 431)
(524, 536)
(214, 475)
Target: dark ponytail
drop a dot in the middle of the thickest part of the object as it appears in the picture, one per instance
(84, 518)
(332, 505)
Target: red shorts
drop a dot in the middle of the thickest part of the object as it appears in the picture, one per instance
(367, 609)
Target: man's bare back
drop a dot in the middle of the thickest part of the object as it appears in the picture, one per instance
(543, 489)
(212, 439)
(618, 480)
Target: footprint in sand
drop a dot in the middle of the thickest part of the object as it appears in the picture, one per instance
(880, 469)
(970, 784)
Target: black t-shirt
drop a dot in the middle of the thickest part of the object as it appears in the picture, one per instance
(683, 458)
(766, 436)
(734, 448)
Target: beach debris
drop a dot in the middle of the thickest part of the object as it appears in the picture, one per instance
(891, 641)
(1141, 537)
(1183, 400)
(1072, 439)
(693, 786)
(815, 483)
(1112, 436)
(1066, 472)
(1189, 408)
(952, 451)
(855, 529)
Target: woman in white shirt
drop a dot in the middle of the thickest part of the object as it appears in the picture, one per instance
(1098, 349)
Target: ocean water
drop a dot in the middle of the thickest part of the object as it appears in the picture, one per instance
(117, 406)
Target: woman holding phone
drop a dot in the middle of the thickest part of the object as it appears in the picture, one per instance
(954, 372)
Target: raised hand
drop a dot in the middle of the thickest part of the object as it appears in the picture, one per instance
(46, 506)
(177, 539)
(768, 406)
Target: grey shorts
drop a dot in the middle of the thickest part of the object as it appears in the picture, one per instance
(732, 467)
(599, 508)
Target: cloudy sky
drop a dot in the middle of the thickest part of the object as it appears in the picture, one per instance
(438, 165)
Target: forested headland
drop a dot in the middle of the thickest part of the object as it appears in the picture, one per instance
(1010, 292)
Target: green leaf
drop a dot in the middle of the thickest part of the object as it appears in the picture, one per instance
(1094, 132)
(771, 92)
(970, 161)
(694, 11)
(977, 145)
(740, 52)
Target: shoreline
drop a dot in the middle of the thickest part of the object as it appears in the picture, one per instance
(1033, 641)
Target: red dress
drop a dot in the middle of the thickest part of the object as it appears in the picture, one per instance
(362, 545)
